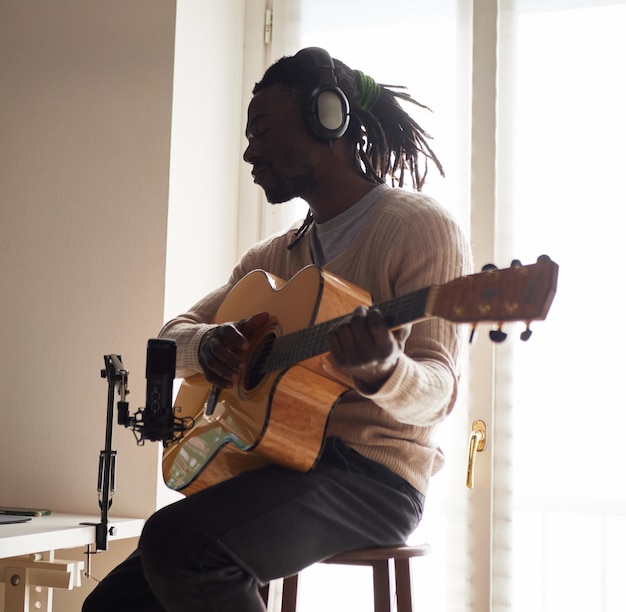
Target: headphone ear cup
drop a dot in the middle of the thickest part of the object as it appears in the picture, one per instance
(327, 110)
(327, 114)
(331, 112)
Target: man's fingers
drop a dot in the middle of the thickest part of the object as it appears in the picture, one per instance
(248, 326)
(222, 350)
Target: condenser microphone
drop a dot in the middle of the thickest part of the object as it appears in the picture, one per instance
(156, 422)
(158, 416)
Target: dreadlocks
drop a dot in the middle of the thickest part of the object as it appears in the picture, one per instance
(387, 142)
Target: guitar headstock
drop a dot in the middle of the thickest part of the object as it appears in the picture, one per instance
(518, 293)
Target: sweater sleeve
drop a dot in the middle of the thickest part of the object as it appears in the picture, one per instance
(430, 249)
(189, 328)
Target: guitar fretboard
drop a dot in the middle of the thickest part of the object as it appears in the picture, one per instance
(285, 351)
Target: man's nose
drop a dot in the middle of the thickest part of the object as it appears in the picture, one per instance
(251, 154)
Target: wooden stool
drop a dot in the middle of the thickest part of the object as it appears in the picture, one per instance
(378, 559)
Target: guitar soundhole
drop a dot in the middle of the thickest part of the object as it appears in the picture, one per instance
(256, 365)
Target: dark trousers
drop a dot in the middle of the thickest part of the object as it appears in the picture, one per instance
(210, 551)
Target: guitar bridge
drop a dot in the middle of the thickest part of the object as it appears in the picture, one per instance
(213, 411)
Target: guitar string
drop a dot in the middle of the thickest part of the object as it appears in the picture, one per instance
(280, 352)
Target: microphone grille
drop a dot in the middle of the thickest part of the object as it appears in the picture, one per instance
(161, 357)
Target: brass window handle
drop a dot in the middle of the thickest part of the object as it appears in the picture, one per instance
(477, 443)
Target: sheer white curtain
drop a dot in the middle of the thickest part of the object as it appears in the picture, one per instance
(558, 497)
(423, 45)
(560, 169)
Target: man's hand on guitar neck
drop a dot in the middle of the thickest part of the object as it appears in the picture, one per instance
(222, 350)
(363, 347)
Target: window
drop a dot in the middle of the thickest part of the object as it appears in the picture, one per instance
(562, 89)
(559, 513)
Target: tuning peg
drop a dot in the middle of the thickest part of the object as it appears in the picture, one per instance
(497, 335)
(516, 263)
(526, 334)
(488, 267)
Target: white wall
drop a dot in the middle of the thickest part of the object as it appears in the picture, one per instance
(206, 152)
(86, 119)
(86, 89)
(206, 149)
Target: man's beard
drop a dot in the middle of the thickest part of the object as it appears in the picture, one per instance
(287, 188)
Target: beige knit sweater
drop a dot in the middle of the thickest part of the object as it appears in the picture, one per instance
(408, 242)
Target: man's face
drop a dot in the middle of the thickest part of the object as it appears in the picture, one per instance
(279, 146)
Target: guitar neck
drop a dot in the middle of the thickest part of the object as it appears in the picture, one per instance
(286, 351)
(518, 293)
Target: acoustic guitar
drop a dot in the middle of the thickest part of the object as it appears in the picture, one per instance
(279, 410)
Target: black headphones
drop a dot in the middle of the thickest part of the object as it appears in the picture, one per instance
(326, 110)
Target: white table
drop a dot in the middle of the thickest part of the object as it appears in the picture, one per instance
(27, 556)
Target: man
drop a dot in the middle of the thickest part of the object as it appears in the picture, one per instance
(321, 131)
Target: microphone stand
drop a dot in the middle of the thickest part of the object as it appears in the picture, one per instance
(145, 425)
(116, 375)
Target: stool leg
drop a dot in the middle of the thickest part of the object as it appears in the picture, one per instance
(403, 585)
(290, 593)
(381, 586)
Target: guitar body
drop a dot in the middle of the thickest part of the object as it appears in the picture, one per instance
(278, 412)
(278, 417)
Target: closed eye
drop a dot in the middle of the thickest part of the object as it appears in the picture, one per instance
(258, 126)
(250, 136)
